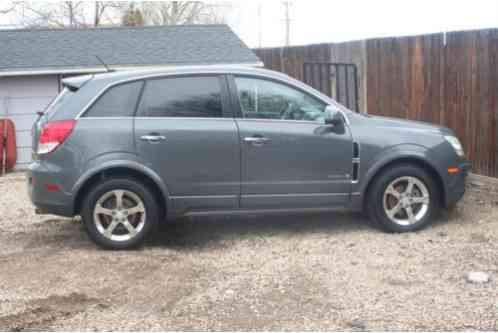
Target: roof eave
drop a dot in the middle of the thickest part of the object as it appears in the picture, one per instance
(101, 69)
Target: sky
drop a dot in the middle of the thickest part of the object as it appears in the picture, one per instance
(262, 23)
(344, 20)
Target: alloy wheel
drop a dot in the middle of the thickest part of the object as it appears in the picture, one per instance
(119, 215)
(406, 200)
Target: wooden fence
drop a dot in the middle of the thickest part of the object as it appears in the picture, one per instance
(448, 79)
(290, 60)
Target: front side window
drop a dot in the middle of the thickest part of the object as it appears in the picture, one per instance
(264, 99)
(197, 96)
(118, 101)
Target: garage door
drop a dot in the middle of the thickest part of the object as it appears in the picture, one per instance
(20, 98)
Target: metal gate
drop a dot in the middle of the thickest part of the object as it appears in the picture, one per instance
(336, 80)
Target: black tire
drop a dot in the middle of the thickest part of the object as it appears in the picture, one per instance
(131, 185)
(375, 197)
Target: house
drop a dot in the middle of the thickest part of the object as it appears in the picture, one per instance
(33, 62)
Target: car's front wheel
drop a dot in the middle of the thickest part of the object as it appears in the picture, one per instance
(403, 198)
(119, 213)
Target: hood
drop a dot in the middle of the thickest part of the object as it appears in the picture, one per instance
(402, 124)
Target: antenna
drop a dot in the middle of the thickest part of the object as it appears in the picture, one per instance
(107, 69)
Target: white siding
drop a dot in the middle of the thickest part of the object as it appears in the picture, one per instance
(20, 98)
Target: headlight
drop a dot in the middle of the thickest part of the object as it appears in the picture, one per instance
(455, 143)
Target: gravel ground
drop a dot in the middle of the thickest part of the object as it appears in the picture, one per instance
(301, 272)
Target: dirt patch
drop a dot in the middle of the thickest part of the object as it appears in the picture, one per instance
(41, 313)
(295, 272)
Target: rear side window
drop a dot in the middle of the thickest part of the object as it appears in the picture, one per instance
(198, 96)
(118, 101)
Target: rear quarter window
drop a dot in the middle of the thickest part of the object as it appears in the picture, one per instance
(58, 102)
(118, 101)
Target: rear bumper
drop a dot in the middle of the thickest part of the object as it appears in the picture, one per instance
(455, 187)
(45, 200)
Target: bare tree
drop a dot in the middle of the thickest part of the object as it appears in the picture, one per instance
(71, 10)
(60, 14)
(132, 16)
(102, 7)
(81, 14)
(183, 12)
(7, 9)
(72, 14)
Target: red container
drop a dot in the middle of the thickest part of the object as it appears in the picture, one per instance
(2, 144)
(8, 148)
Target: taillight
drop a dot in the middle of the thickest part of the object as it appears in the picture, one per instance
(53, 134)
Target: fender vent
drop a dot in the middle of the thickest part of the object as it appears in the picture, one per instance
(356, 162)
(356, 169)
(356, 150)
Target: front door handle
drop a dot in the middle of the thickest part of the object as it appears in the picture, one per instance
(153, 138)
(256, 140)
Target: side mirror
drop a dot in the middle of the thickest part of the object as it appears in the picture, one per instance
(332, 116)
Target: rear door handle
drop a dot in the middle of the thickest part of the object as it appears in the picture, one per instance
(153, 138)
(256, 140)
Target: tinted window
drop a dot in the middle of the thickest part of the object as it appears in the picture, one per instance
(182, 97)
(118, 101)
(263, 99)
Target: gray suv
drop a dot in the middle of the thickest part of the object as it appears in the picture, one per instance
(128, 150)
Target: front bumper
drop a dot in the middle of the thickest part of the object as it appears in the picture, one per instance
(455, 188)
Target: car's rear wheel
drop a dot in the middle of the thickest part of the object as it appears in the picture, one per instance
(403, 198)
(119, 213)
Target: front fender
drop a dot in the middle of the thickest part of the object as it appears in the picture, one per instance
(385, 157)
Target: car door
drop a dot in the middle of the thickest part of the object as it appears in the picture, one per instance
(185, 132)
(289, 157)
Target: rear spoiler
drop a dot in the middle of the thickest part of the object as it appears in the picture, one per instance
(76, 82)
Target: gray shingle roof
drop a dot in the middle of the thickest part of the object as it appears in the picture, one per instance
(58, 49)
